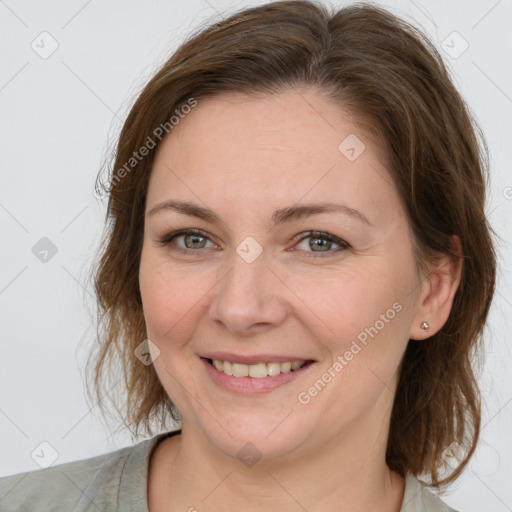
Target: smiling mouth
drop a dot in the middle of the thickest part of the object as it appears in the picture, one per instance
(258, 370)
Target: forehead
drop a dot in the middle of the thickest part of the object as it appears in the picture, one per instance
(295, 124)
(280, 148)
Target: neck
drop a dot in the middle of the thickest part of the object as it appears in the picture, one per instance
(344, 473)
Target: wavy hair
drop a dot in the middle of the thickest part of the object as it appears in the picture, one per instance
(390, 76)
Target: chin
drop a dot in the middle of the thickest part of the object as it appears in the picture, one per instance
(257, 436)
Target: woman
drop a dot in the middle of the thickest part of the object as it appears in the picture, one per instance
(297, 268)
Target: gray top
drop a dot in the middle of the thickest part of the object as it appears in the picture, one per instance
(117, 481)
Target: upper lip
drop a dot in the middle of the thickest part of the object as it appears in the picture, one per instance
(253, 358)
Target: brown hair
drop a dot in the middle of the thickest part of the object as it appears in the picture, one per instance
(386, 72)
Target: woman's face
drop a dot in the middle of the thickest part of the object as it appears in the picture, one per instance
(272, 275)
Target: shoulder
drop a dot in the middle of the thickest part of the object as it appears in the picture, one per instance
(96, 482)
(419, 498)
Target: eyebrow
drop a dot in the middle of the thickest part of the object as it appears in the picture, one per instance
(280, 216)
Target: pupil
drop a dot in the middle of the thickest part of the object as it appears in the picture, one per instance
(194, 241)
(321, 243)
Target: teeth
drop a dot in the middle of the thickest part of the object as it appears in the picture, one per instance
(273, 368)
(227, 368)
(239, 370)
(285, 367)
(256, 371)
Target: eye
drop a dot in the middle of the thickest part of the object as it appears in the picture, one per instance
(320, 242)
(191, 240)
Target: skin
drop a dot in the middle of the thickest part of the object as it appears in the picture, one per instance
(245, 157)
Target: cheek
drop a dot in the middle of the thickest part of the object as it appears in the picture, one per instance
(368, 313)
(350, 300)
(365, 312)
(171, 301)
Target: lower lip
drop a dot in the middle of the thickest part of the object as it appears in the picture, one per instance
(251, 385)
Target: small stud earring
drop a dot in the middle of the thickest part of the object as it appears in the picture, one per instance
(424, 326)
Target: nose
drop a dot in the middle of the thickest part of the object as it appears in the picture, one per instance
(249, 299)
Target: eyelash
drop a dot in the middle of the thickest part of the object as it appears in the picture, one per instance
(167, 239)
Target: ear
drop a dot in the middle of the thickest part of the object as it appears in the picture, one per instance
(438, 289)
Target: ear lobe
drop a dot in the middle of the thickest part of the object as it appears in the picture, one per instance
(438, 292)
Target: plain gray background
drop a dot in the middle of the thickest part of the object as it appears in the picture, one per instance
(60, 110)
